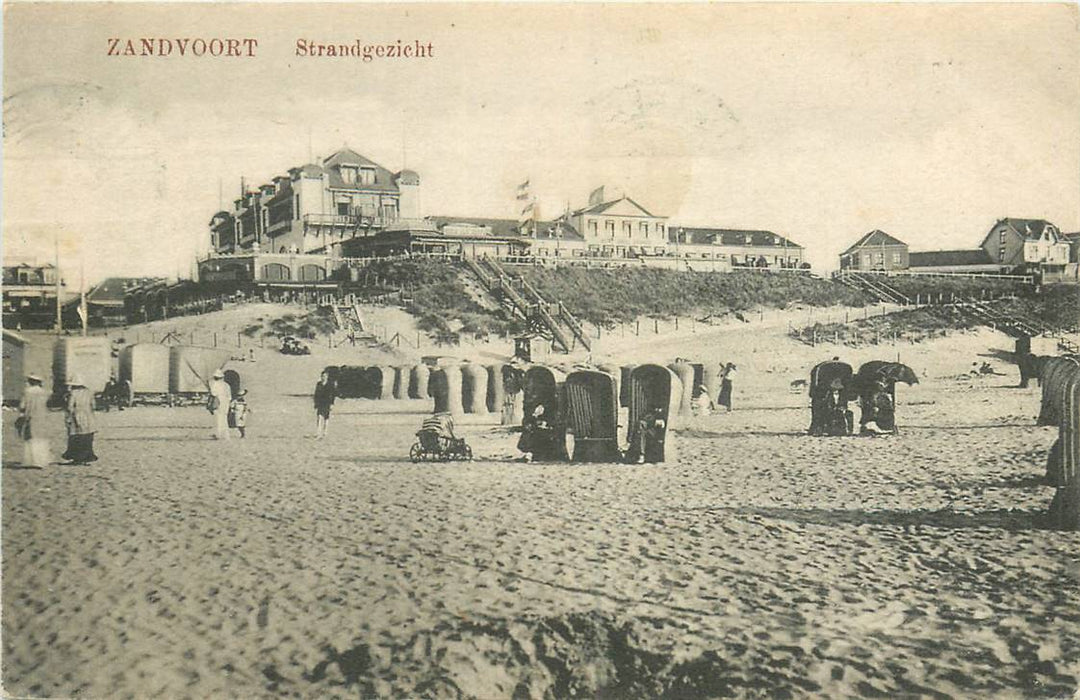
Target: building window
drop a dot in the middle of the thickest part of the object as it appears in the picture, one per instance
(628, 229)
(343, 208)
(367, 176)
(644, 228)
(1002, 238)
(348, 174)
(896, 259)
(660, 230)
(879, 258)
(749, 239)
(592, 228)
(609, 228)
(1001, 253)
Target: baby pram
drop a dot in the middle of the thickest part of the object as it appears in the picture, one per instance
(436, 442)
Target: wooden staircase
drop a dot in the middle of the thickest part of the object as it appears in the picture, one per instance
(876, 288)
(983, 311)
(550, 319)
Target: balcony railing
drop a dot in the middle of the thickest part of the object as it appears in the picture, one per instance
(346, 220)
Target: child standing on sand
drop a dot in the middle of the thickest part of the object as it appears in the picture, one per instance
(238, 412)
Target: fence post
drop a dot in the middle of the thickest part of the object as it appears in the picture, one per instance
(676, 323)
(238, 339)
(656, 326)
(813, 337)
(215, 339)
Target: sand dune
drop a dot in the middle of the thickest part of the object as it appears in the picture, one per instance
(763, 563)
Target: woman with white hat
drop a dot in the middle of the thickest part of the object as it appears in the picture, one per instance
(79, 415)
(31, 422)
(218, 404)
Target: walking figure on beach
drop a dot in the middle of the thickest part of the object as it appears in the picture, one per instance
(324, 400)
(31, 423)
(79, 416)
(218, 404)
(725, 387)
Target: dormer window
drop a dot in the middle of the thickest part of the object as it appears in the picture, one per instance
(367, 176)
(749, 239)
(348, 174)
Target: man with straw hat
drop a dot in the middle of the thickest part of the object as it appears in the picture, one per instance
(31, 422)
(79, 416)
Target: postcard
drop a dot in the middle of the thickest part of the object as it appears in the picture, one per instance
(541, 350)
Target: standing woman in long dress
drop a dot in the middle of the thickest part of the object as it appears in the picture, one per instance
(325, 392)
(80, 423)
(32, 413)
(725, 387)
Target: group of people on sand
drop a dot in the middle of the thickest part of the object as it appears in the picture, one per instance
(228, 406)
(703, 404)
(78, 418)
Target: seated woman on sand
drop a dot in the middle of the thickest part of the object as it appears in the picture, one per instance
(878, 412)
(538, 437)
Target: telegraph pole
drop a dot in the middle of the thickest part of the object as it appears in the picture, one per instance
(59, 314)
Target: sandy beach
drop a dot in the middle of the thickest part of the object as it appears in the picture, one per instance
(763, 563)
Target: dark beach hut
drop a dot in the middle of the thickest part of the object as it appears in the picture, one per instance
(445, 388)
(418, 382)
(232, 378)
(474, 389)
(1063, 463)
(542, 386)
(826, 418)
(496, 392)
(1055, 373)
(386, 382)
(592, 415)
(354, 382)
(653, 388)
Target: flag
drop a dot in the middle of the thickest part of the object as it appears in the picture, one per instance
(596, 196)
(523, 190)
(528, 215)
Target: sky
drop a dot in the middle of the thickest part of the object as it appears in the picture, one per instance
(817, 121)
